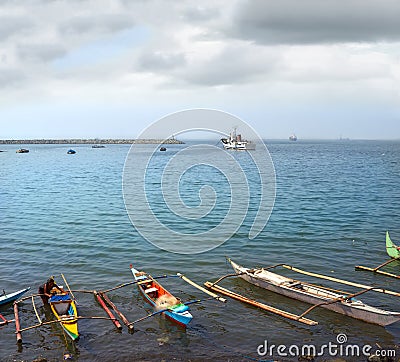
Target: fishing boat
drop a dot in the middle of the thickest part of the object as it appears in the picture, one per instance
(161, 299)
(8, 298)
(235, 142)
(392, 250)
(22, 150)
(293, 137)
(64, 309)
(315, 295)
(71, 152)
(98, 146)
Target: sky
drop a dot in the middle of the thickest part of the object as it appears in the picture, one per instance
(108, 69)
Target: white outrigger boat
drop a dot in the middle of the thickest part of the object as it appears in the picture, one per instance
(316, 295)
(8, 298)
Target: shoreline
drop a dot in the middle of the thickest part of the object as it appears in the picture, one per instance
(90, 141)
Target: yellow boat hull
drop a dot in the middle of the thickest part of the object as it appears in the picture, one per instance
(66, 313)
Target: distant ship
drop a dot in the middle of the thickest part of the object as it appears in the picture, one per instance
(235, 142)
(293, 137)
(98, 146)
(22, 150)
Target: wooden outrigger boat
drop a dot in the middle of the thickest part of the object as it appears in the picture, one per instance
(393, 251)
(63, 306)
(64, 309)
(161, 299)
(8, 298)
(317, 295)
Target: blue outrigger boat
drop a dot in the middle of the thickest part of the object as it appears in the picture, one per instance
(161, 299)
(8, 298)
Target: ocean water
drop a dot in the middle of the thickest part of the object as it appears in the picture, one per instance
(65, 214)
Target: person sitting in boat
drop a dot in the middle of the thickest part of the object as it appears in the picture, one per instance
(47, 289)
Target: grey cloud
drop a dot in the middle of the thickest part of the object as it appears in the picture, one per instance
(159, 61)
(81, 24)
(316, 21)
(10, 77)
(40, 52)
(10, 25)
(200, 14)
(232, 66)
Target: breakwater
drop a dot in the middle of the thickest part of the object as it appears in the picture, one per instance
(90, 141)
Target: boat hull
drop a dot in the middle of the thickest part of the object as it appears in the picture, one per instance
(8, 298)
(281, 285)
(180, 315)
(64, 309)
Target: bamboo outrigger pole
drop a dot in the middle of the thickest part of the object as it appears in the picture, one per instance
(336, 300)
(341, 281)
(66, 283)
(5, 321)
(36, 312)
(192, 283)
(282, 313)
(377, 271)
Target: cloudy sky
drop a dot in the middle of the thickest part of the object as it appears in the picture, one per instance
(97, 68)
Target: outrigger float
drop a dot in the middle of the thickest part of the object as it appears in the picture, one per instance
(393, 251)
(319, 296)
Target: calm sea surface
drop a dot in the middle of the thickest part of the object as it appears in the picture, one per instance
(65, 214)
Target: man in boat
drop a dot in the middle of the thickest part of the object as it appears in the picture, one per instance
(47, 289)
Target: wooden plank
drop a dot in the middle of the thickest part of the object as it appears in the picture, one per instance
(192, 283)
(266, 307)
(374, 270)
(341, 281)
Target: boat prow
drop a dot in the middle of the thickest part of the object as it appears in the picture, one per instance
(8, 298)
